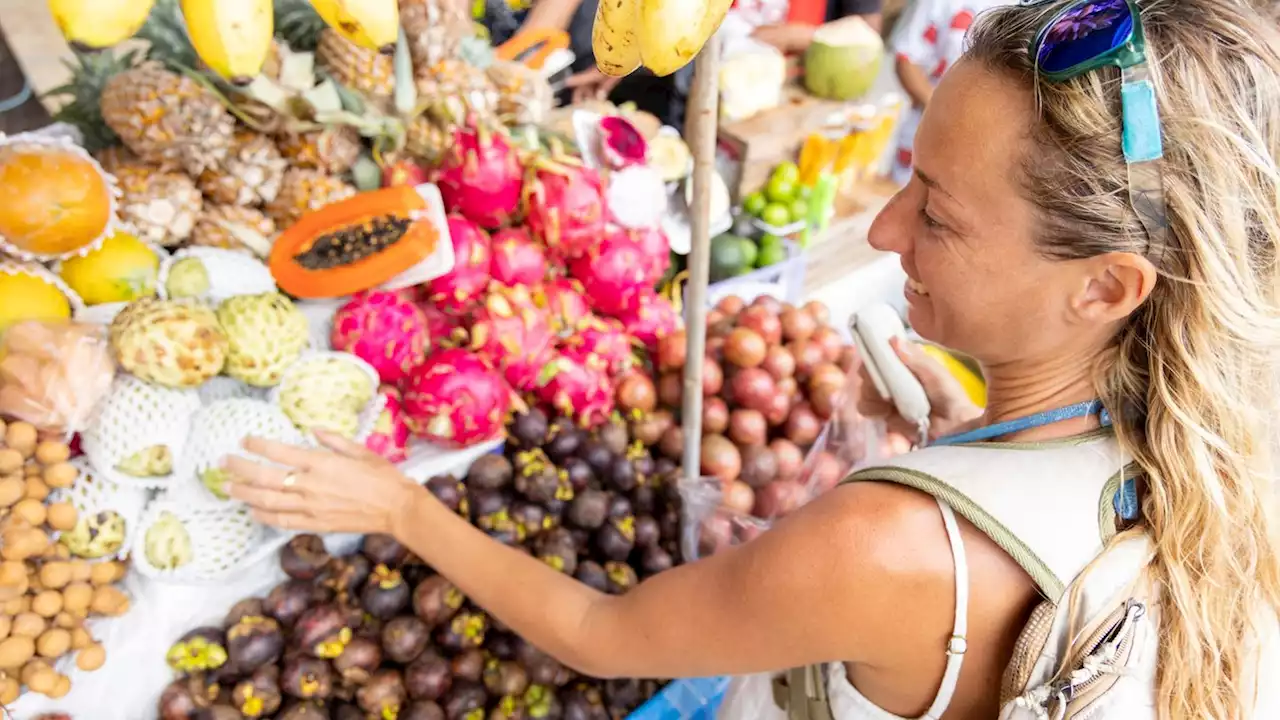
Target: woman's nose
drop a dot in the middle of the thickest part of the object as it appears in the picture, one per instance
(890, 231)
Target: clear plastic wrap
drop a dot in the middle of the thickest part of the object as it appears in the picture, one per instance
(53, 374)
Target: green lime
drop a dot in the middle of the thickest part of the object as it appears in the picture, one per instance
(769, 241)
(799, 209)
(787, 172)
(754, 203)
(771, 255)
(780, 190)
(804, 192)
(776, 214)
(749, 253)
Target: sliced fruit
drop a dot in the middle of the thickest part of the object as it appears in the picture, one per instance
(58, 201)
(123, 269)
(354, 244)
(671, 156)
(29, 292)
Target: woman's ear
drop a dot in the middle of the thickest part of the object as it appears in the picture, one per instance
(1115, 284)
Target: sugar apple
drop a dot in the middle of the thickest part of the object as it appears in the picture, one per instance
(153, 461)
(327, 392)
(173, 343)
(167, 543)
(96, 536)
(266, 333)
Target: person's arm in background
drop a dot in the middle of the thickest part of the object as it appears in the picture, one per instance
(796, 37)
(913, 44)
(550, 13)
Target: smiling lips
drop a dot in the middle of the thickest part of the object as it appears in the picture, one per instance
(917, 287)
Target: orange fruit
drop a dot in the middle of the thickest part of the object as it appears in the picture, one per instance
(53, 200)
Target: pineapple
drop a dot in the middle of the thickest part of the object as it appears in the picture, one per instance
(365, 71)
(161, 206)
(434, 28)
(168, 119)
(332, 150)
(250, 175)
(305, 190)
(464, 88)
(524, 95)
(116, 157)
(428, 137)
(234, 227)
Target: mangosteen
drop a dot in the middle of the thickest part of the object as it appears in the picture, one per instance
(581, 538)
(508, 707)
(564, 440)
(347, 711)
(465, 630)
(359, 659)
(464, 698)
(508, 533)
(623, 693)
(643, 461)
(541, 667)
(620, 507)
(529, 428)
(259, 694)
(249, 607)
(614, 436)
(664, 466)
(592, 574)
(468, 665)
(255, 641)
(186, 698)
(622, 474)
(647, 531)
(384, 549)
(385, 593)
(383, 695)
(322, 631)
(583, 702)
(558, 549)
(429, 677)
(200, 650)
(435, 600)
(622, 577)
(490, 472)
(531, 519)
(500, 644)
(422, 710)
(655, 560)
(288, 600)
(617, 538)
(348, 574)
(404, 638)
(304, 557)
(451, 492)
(669, 524)
(221, 712)
(527, 462)
(485, 503)
(304, 711)
(579, 473)
(505, 677)
(545, 485)
(541, 702)
(589, 510)
(597, 456)
(307, 677)
(644, 499)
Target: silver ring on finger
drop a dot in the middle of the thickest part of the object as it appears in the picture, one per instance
(289, 481)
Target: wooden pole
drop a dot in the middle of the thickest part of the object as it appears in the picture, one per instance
(701, 129)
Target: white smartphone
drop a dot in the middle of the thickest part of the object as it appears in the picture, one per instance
(872, 328)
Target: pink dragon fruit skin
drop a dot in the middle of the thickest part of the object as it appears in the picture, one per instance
(446, 330)
(601, 343)
(564, 206)
(455, 291)
(650, 318)
(454, 399)
(481, 177)
(385, 330)
(390, 436)
(565, 301)
(656, 249)
(621, 144)
(613, 273)
(517, 258)
(511, 333)
(575, 390)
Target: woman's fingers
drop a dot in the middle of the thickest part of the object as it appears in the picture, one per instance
(283, 453)
(342, 445)
(254, 473)
(268, 500)
(287, 520)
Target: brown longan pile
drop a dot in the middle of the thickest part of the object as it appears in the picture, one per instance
(45, 593)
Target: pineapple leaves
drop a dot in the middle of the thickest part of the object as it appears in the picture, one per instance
(166, 31)
(81, 108)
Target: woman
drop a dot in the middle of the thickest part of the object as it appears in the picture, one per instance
(1023, 250)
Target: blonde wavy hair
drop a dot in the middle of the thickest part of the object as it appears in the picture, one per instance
(1192, 376)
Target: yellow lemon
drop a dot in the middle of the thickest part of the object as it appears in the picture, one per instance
(972, 382)
(25, 296)
(122, 269)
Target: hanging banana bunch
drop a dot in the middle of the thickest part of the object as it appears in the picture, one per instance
(374, 24)
(232, 37)
(661, 35)
(99, 24)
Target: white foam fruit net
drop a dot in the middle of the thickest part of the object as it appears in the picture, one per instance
(304, 381)
(230, 273)
(218, 430)
(220, 540)
(221, 387)
(92, 494)
(319, 321)
(136, 416)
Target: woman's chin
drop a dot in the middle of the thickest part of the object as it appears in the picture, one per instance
(919, 313)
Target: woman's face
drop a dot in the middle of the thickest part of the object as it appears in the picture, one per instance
(965, 231)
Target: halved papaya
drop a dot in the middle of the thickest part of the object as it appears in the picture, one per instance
(354, 245)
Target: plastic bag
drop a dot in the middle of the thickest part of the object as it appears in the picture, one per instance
(52, 374)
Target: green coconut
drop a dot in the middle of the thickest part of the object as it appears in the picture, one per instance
(843, 60)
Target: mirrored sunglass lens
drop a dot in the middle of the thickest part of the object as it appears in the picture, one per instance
(1085, 32)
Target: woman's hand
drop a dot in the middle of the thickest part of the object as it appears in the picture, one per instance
(349, 490)
(786, 37)
(591, 84)
(950, 407)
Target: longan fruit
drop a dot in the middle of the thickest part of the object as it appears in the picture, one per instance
(61, 475)
(91, 658)
(6, 624)
(80, 638)
(108, 600)
(10, 460)
(16, 651)
(53, 643)
(31, 510)
(76, 598)
(61, 516)
(61, 687)
(106, 573)
(22, 437)
(17, 605)
(12, 489)
(49, 452)
(42, 680)
(80, 570)
(47, 603)
(37, 489)
(55, 574)
(28, 624)
(10, 688)
(65, 620)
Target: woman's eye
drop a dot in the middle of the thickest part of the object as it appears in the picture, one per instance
(928, 220)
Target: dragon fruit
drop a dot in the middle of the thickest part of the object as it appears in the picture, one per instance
(621, 144)
(564, 205)
(455, 399)
(481, 177)
(576, 390)
(601, 343)
(511, 333)
(445, 330)
(390, 436)
(517, 259)
(565, 302)
(656, 249)
(455, 291)
(650, 318)
(613, 273)
(385, 330)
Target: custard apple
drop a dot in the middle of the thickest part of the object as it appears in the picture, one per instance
(96, 536)
(154, 461)
(167, 543)
(266, 333)
(214, 274)
(173, 343)
(327, 392)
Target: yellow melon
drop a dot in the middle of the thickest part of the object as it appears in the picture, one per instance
(974, 386)
(123, 269)
(28, 293)
(54, 199)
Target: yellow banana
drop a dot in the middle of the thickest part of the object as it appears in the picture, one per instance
(671, 32)
(613, 36)
(98, 24)
(375, 24)
(232, 37)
